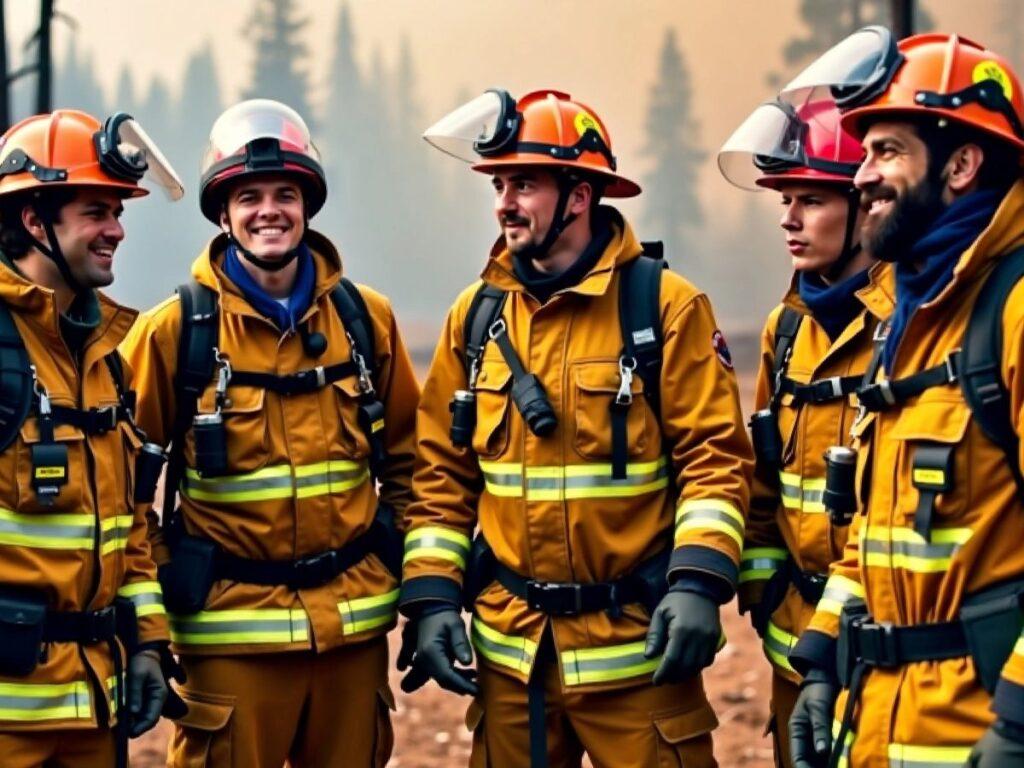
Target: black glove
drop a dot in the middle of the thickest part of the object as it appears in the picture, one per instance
(995, 750)
(175, 707)
(147, 691)
(810, 725)
(759, 615)
(440, 641)
(416, 678)
(685, 631)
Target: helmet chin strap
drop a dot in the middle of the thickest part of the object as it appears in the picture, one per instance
(54, 253)
(559, 223)
(264, 264)
(850, 249)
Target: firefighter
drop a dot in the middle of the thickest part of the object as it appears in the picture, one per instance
(814, 350)
(287, 397)
(581, 408)
(80, 606)
(920, 617)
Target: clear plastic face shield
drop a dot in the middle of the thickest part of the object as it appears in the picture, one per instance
(255, 119)
(852, 72)
(481, 127)
(770, 140)
(126, 152)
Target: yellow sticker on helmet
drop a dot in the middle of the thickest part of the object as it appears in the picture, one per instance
(991, 70)
(585, 120)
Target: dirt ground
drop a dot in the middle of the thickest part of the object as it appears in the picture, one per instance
(429, 730)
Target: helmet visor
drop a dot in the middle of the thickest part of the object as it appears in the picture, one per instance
(770, 140)
(476, 127)
(854, 71)
(136, 148)
(257, 119)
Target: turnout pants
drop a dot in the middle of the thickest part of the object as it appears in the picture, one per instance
(668, 726)
(784, 693)
(93, 748)
(327, 710)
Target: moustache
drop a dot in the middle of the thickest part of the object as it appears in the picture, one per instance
(513, 221)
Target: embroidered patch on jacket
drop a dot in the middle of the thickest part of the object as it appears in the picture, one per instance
(721, 348)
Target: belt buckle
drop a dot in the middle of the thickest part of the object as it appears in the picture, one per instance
(876, 644)
(100, 625)
(836, 385)
(314, 571)
(538, 592)
(99, 414)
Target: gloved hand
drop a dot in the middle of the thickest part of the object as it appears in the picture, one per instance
(416, 678)
(147, 691)
(685, 631)
(440, 641)
(759, 615)
(810, 725)
(994, 750)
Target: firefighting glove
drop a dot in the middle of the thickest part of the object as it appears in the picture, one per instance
(147, 691)
(810, 725)
(996, 750)
(759, 615)
(416, 678)
(440, 642)
(685, 631)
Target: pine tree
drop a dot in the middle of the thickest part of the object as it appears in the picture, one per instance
(672, 209)
(279, 56)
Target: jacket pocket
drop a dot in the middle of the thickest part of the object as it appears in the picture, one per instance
(71, 491)
(246, 427)
(351, 436)
(490, 436)
(203, 736)
(684, 738)
(593, 390)
(475, 725)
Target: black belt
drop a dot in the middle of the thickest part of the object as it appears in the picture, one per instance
(306, 572)
(820, 391)
(85, 627)
(811, 586)
(571, 598)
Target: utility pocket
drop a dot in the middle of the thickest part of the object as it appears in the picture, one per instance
(186, 579)
(245, 427)
(490, 437)
(475, 725)
(684, 738)
(992, 621)
(384, 741)
(22, 615)
(594, 388)
(61, 462)
(203, 735)
(351, 434)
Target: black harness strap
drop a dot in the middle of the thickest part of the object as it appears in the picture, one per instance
(884, 394)
(299, 383)
(932, 474)
(15, 379)
(785, 334)
(820, 390)
(485, 309)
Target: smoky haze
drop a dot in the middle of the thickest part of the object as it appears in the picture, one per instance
(670, 79)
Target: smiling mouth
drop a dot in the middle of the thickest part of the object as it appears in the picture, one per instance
(269, 231)
(102, 252)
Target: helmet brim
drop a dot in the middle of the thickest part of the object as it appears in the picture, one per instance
(618, 186)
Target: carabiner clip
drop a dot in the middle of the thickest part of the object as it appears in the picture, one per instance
(625, 394)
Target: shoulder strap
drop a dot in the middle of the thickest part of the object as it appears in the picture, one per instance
(355, 317)
(485, 308)
(785, 334)
(981, 360)
(200, 331)
(15, 379)
(640, 319)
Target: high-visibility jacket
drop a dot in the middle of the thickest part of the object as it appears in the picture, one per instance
(299, 481)
(90, 545)
(549, 506)
(788, 526)
(931, 712)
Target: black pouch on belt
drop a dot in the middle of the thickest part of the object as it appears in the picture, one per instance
(651, 574)
(389, 544)
(22, 616)
(853, 615)
(187, 578)
(480, 571)
(992, 621)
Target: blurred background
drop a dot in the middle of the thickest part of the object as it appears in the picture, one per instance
(670, 78)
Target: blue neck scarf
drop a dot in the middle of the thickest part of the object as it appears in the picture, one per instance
(938, 253)
(266, 305)
(833, 306)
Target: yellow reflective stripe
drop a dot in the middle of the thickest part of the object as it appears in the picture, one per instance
(599, 665)
(114, 533)
(146, 596)
(777, 645)
(365, 613)
(277, 482)
(714, 514)
(266, 625)
(913, 756)
(27, 702)
(438, 542)
(573, 481)
(904, 548)
(44, 531)
(516, 653)
(1018, 647)
(839, 590)
(804, 494)
(760, 563)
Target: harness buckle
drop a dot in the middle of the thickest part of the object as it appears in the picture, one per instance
(105, 419)
(98, 626)
(875, 643)
(314, 571)
(497, 328)
(321, 377)
(951, 366)
(555, 598)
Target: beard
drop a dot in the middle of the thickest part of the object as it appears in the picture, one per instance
(909, 219)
